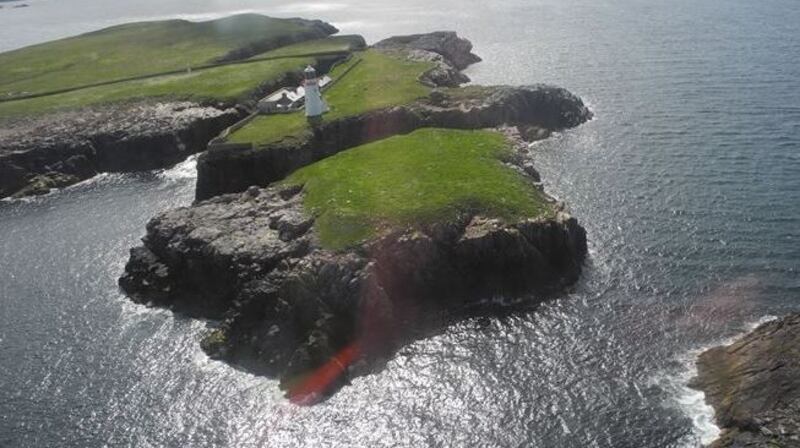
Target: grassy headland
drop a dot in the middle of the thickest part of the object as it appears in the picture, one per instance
(225, 84)
(431, 175)
(136, 49)
(332, 44)
(377, 81)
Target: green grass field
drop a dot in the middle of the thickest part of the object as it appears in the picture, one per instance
(378, 81)
(227, 84)
(427, 176)
(132, 50)
(345, 43)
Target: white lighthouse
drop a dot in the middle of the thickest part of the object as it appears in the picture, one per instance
(315, 105)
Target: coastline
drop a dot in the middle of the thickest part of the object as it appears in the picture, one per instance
(751, 382)
(299, 291)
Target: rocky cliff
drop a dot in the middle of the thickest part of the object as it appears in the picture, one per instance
(754, 386)
(37, 154)
(455, 50)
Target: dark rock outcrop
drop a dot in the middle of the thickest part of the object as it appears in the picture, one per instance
(754, 386)
(229, 170)
(288, 305)
(59, 149)
(449, 54)
(455, 50)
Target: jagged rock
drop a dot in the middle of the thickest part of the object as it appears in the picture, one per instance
(754, 386)
(534, 133)
(455, 50)
(44, 183)
(449, 53)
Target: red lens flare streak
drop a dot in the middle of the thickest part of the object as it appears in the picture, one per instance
(318, 382)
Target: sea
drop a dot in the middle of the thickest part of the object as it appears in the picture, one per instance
(687, 181)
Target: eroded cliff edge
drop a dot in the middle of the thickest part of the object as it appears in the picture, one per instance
(60, 149)
(247, 253)
(754, 386)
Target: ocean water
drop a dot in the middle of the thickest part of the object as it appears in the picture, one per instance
(687, 180)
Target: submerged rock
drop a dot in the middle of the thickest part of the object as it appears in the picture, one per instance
(754, 386)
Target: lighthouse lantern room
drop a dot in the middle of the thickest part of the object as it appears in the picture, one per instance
(315, 105)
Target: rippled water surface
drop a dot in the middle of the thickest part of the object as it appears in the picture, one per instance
(687, 181)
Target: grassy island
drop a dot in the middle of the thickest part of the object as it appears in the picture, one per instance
(431, 175)
(317, 249)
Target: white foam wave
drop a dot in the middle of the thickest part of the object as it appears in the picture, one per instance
(591, 106)
(691, 402)
(26, 199)
(184, 170)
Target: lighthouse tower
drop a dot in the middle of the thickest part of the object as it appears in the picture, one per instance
(315, 105)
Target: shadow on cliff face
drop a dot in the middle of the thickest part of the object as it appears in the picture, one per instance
(395, 309)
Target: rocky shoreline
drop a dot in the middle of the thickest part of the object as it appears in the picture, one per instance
(57, 149)
(288, 305)
(754, 386)
(61, 149)
(247, 255)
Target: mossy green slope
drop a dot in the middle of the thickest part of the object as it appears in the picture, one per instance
(332, 44)
(225, 84)
(431, 175)
(377, 81)
(132, 50)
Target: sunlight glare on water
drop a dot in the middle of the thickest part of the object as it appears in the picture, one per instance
(686, 181)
